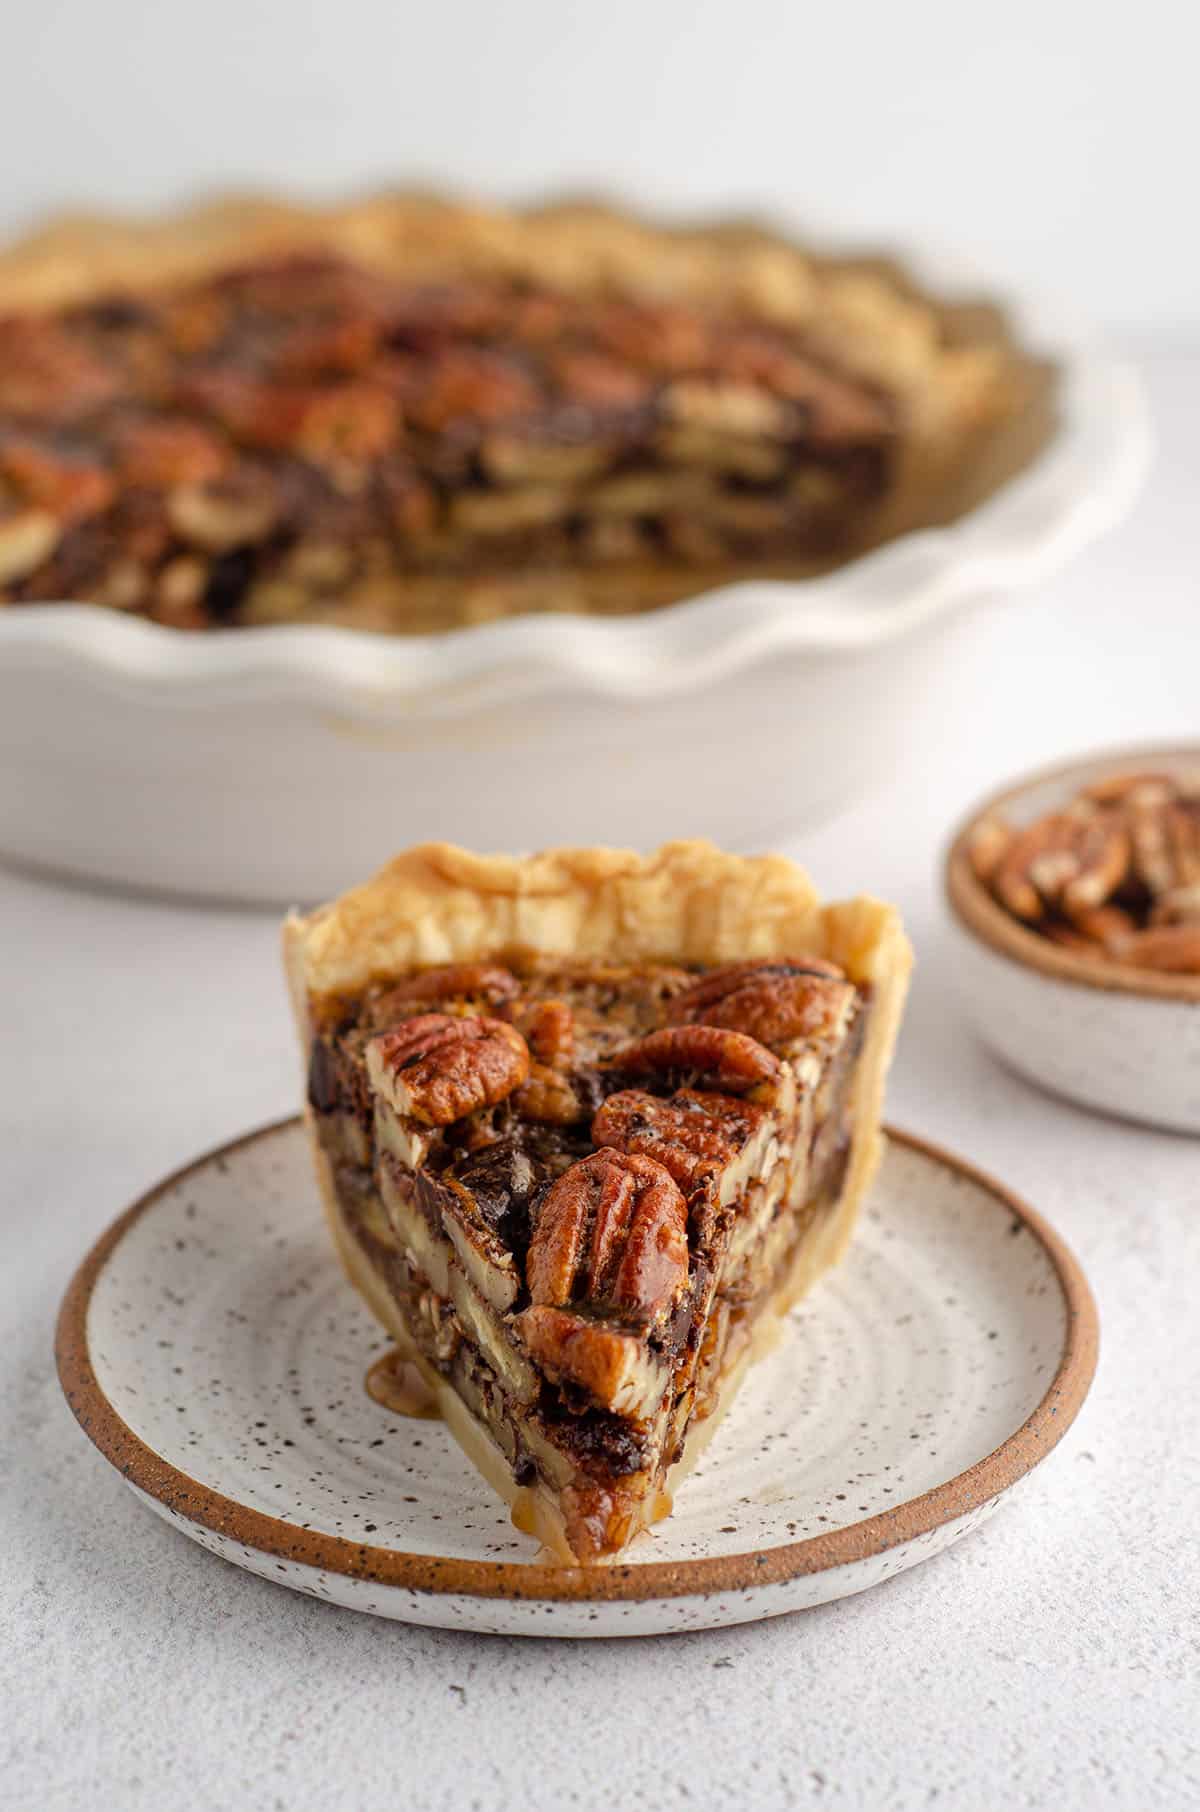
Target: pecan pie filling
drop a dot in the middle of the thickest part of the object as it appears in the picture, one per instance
(306, 438)
(582, 1184)
(413, 415)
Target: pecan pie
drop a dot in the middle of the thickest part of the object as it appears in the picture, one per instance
(1115, 873)
(406, 416)
(586, 1125)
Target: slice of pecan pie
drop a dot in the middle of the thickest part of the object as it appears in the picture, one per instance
(586, 1125)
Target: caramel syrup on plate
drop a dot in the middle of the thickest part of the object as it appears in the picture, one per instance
(395, 1382)
(522, 1513)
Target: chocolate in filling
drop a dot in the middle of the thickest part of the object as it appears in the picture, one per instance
(507, 1163)
(304, 438)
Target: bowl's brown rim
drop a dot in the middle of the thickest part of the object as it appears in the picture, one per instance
(975, 909)
(187, 1498)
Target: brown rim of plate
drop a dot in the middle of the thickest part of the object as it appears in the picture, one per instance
(189, 1499)
(979, 913)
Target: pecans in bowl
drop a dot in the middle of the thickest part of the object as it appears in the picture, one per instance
(1113, 873)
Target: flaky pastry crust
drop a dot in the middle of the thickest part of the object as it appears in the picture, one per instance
(687, 902)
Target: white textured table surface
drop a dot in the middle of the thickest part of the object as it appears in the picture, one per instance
(1049, 1661)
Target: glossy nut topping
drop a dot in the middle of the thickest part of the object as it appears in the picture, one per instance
(1073, 859)
(613, 1368)
(731, 1060)
(692, 1135)
(612, 1230)
(775, 1003)
(436, 1068)
(548, 1027)
(489, 982)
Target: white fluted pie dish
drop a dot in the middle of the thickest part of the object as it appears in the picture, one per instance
(270, 764)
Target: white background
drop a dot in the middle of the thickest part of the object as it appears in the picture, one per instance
(1049, 1661)
(1055, 139)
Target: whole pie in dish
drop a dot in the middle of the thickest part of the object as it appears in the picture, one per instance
(586, 1125)
(411, 415)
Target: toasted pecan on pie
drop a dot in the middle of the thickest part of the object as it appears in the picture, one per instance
(583, 1137)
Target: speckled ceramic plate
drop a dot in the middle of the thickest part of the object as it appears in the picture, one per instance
(213, 1351)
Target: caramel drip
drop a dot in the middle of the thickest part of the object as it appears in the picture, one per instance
(524, 1517)
(395, 1382)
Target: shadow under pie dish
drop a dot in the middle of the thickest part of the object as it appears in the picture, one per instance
(585, 1126)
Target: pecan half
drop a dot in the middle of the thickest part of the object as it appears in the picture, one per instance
(1103, 925)
(45, 371)
(471, 382)
(437, 1068)
(714, 987)
(167, 452)
(615, 1369)
(350, 422)
(1166, 846)
(612, 1231)
(589, 378)
(548, 1027)
(314, 349)
(692, 1135)
(987, 844)
(1073, 859)
(70, 488)
(1178, 906)
(548, 1097)
(1173, 948)
(489, 982)
(775, 1003)
(666, 336)
(730, 1059)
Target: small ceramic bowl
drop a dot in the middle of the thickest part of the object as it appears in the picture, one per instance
(1124, 1040)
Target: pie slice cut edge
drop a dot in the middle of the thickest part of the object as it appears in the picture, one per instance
(586, 1124)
